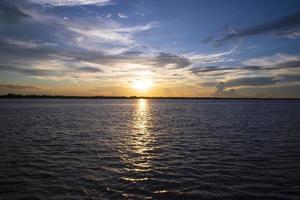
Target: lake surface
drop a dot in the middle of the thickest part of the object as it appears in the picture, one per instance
(149, 149)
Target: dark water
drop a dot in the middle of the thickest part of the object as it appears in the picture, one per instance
(149, 149)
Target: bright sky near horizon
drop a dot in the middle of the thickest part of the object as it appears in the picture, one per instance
(150, 47)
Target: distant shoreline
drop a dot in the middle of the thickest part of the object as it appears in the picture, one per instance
(19, 96)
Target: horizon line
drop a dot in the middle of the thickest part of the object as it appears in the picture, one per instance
(44, 96)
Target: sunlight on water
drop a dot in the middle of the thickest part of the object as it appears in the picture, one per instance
(141, 117)
(139, 144)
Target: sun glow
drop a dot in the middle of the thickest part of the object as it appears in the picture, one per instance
(142, 84)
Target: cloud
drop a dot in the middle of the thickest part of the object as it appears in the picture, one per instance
(71, 2)
(19, 43)
(55, 72)
(35, 59)
(89, 69)
(262, 64)
(84, 48)
(226, 89)
(18, 87)
(290, 78)
(201, 70)
(122, 16)
(104, 35)
(250, 81)
(225, 70)
(78, 31)
(278, 59)
(29, 71)
(25, 52)
(288, 25)
(77, 47)
(11, 13)
(237, 87)
(113, 34)
(222, 92)
(171, 60)
(200, 58)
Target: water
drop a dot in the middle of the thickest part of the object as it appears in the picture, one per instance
(149, 149)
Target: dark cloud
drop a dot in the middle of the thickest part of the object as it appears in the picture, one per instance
(288, 24)
(29, 71)
(89, 69)
(133, 53)
(164, 59)
(292, 64)
(10, 13)
(226, 89)
(221, 70)
(18, 87)
(197, 70)
(208, 69)
(250, 81)
(21, 53)
(221, 91)
(290, 77)
(48, 72)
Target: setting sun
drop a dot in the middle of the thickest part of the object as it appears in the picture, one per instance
(142, 84)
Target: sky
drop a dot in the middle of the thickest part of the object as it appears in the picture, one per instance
(191, 48)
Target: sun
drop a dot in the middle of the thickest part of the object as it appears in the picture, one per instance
(142, 84)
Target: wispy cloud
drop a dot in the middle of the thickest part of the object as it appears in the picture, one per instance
(30, 71)
(109, 33)
(71, 2)
(205, 58)
(268, 63)
(288, 26)
(273, 60)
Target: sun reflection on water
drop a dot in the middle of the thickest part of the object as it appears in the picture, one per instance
(139, 144)
(141, 116)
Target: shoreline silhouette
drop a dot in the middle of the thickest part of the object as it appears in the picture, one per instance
(35, 96)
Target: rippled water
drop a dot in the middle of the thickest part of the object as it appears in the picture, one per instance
(155, 149)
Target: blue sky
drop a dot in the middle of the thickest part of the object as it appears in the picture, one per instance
(180, 48)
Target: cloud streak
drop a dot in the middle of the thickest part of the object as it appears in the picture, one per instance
(71, 2)
(270, 63)
(288, 25)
